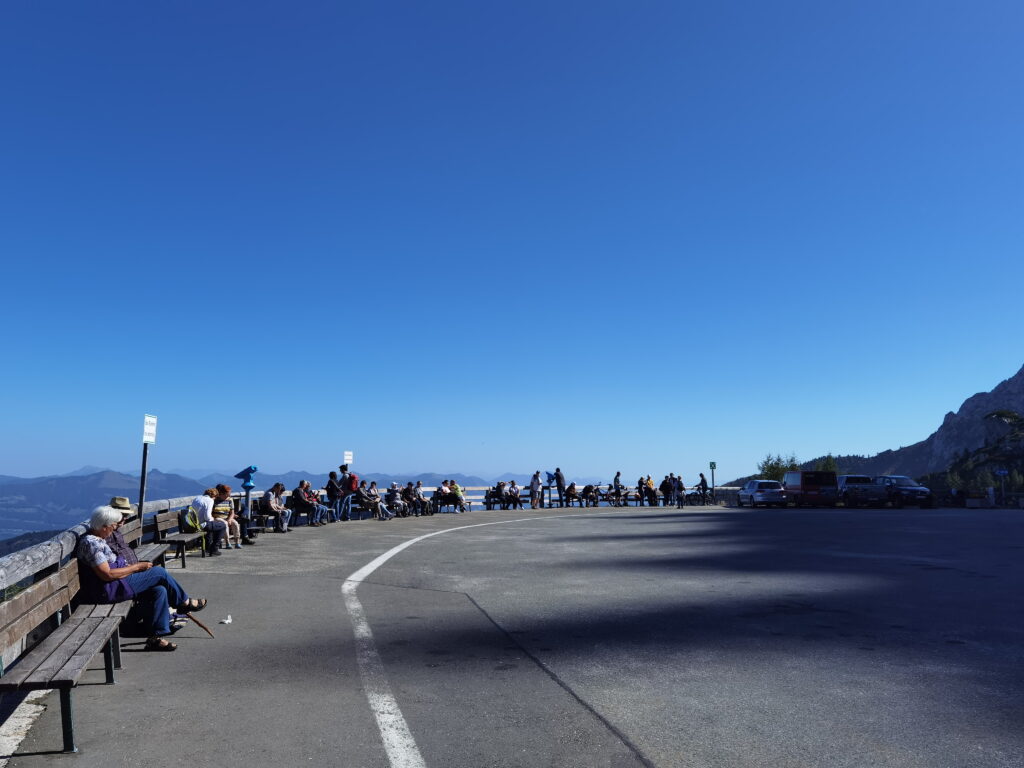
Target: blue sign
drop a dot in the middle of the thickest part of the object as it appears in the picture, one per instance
(1002, 472)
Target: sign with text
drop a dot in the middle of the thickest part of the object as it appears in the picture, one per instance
(348, 457)
(149, 429)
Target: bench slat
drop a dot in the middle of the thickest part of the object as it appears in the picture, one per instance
(152, 552)
(70, 673)
(51, 645)
(45, 675)
(187, 538)
(36, 616)
(105, 610)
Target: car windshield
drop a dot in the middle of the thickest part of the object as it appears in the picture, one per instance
(857, 479)
(900, 480)
(820, 478)
(769, 485)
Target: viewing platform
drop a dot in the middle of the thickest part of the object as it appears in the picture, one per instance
(631, 636)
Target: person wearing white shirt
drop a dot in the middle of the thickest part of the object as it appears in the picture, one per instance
(215, 529)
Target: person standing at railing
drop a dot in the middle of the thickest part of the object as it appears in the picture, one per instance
(334, 496)
(702, 486)
(666, 491)
(345, 481)
(535, 490)
(560, 485)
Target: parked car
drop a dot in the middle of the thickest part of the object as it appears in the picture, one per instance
(817, 488)
(903, 490)
(861, 491)
(761, 492)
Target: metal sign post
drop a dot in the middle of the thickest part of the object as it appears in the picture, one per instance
(714, 466)
(148, 437)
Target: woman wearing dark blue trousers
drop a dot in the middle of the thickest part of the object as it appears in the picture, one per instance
(107, 578)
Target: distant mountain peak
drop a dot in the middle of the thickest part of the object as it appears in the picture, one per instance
(966, 429)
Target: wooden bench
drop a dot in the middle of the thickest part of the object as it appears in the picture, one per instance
(160, 526)
(132, 532)
(61, 658)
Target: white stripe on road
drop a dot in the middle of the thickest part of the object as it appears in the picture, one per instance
(394, 731)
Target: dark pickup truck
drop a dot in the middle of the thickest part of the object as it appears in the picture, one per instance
(862, 491)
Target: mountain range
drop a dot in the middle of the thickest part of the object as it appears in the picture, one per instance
(57, 502)
(963, 431)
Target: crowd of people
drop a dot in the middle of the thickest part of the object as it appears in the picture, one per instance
(112, 573)
(347, 497)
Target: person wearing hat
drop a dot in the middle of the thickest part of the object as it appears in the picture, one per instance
(108, 578)
(115, 540)
(393, 501)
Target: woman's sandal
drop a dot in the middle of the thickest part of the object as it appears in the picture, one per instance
(159, 644)
(192, 605)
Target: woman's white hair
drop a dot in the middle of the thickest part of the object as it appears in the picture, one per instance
(105, 515)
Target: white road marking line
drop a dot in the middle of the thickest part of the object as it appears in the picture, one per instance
(394, 731)
(17, 725)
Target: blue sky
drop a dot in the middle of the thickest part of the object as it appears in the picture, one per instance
(490, 237)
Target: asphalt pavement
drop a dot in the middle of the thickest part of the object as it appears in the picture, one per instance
(642, 637)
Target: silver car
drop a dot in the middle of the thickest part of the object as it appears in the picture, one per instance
(761, 492)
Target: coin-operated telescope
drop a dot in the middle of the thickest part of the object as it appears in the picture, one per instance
(246, 477)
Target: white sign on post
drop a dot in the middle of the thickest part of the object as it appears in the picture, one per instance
(149, 429)
(348, 457)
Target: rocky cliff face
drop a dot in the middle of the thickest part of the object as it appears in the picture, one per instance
(967, 429)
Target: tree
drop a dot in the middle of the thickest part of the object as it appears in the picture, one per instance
(774, 467)
(1015, 481)
(827, 464)
(954, 480)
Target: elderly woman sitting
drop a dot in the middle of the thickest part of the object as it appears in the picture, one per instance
(107, 578)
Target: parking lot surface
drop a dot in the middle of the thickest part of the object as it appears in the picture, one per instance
(703, 637)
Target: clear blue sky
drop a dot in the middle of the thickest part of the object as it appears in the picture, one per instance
(503, 236)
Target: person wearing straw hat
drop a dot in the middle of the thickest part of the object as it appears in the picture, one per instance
(108, 578)
(115, 540)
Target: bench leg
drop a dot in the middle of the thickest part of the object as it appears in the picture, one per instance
(116, 640)
(67, 720)
(181, 553)
(108, 659)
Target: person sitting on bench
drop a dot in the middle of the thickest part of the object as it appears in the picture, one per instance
(512, 497)
(572, 495)
(215, 529)
(275, 508)
(393, 501)
(369, 499)
(107, 578)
